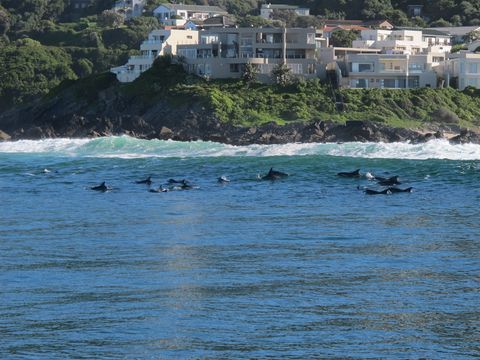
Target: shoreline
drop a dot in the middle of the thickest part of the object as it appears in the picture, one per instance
(268, 134)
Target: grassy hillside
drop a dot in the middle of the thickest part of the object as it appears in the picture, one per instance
(255, 103)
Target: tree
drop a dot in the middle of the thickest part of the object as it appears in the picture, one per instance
(287, 17)
(472, 36)
(4, 21)
(440, 23)
(110, 18)
(376, 9)
(282, 74)
(83, 67)
(253, 21)
(250, 72)
(343, 38)
(30, 70)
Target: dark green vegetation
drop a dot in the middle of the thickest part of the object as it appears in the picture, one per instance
(252, 103)
(42, 43)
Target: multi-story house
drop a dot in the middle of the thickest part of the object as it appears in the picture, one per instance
(458, 34)
(266, 11)
(223, 52)
(464, 67)
(169, 13)
(395, 71)
(159, 42)
(407, 59)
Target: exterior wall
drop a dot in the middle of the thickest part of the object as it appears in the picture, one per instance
(389, 71)
(266, 11)
(159, 42)
(222, 53)
(164, 13)
(466, 67)
(402, 41)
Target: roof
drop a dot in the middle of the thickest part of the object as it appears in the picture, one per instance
(336, 22)
(279, 7)
(426, 31)
(458, 30)
(197, 8)
(218, 21)
(344, 27)
(375, 22)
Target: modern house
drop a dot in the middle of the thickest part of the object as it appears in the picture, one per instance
(463, 68)
(223, 52)
(394, 71)
(169, 13)
(129, 8)
(267, 10)
(459, 33)
(159, 42)
(407, 59)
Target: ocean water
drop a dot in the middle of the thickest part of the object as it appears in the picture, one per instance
(301, 268)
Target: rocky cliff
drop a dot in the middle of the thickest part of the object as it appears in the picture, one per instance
(110, 111)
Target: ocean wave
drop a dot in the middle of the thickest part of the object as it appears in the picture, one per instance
(128, 148)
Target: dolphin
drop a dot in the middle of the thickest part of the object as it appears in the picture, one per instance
(159, 190)
(174, 181)
(147, 181)
(186, 185)
(102, 187)
(223, 179)
(352, 174)
(375, 192)
(397, 190)
(274, 175)
(389, 181)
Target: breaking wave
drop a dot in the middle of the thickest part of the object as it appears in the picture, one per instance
(127, 147)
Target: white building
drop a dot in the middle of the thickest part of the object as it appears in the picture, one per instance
(130, 8)
(458, 33)
(392, 41)
(464, 66)
(390, 71)
(159, 42)
(407, 59)
(168, 13)
(266, 11)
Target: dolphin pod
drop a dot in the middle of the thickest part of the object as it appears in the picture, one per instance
(183, 184)
(389, 182)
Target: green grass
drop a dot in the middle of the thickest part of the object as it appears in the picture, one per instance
(242, 104)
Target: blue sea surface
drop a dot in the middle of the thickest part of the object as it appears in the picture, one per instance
(304, 267)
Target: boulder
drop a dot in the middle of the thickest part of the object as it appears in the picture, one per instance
(4, 136)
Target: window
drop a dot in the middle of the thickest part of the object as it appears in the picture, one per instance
(234, 68)
(364, 67)
(472, 68)
(189, 37)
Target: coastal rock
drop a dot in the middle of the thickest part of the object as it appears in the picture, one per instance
(165, 133)
(466, 136)
(4, 136)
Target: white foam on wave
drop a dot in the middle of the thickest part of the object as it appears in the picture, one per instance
(65, 146)
(131, 148)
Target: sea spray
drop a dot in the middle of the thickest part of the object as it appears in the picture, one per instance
(127, 147)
